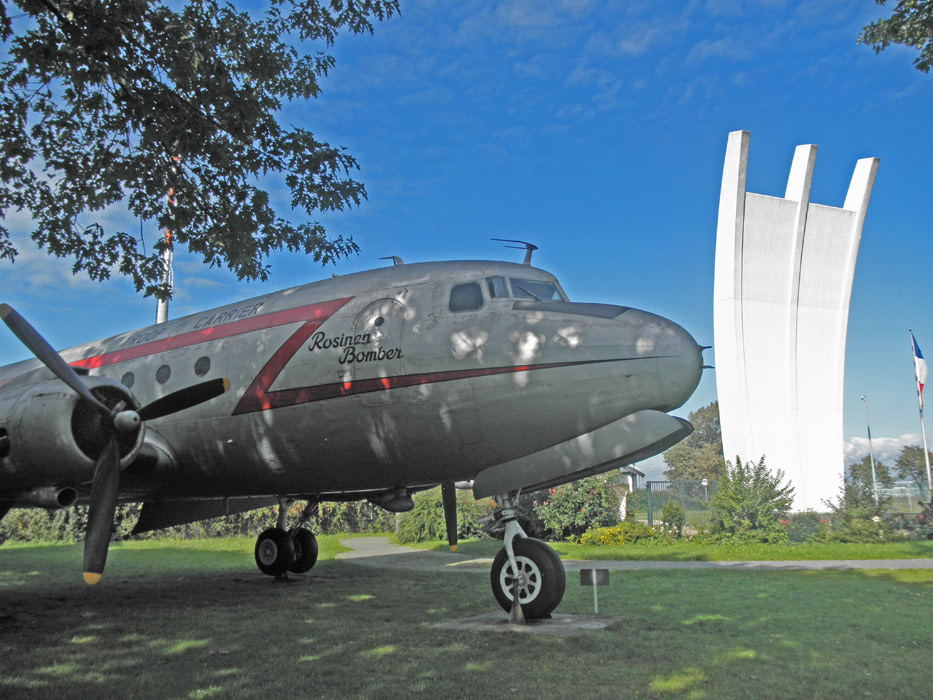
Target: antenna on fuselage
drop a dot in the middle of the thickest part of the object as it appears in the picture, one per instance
(529, 248)
(396, 260)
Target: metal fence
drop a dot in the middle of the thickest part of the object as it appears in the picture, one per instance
(692, 496)
(906, 496)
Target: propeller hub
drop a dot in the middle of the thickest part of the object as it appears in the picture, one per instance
(126, 421)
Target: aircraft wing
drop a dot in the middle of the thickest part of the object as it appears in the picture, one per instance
(160, 514)
(631, 439)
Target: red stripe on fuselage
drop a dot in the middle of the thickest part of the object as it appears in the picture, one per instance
(321, 392)
(311, 314)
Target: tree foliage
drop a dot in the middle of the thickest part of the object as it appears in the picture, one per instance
(910, 24)
(109, 102)
(425, 522)
(749, 502)
(699, 455)
(860, 472)
(911, 466)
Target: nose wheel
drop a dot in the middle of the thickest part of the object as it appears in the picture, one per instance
(539, 576)
(527, 576)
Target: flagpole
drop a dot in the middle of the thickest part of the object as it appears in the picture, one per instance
(923, 430)
(926, 455)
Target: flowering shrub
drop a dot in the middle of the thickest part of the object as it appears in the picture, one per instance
(627, 532)
(571, 509)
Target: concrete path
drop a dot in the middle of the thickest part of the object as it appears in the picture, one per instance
(380, 552)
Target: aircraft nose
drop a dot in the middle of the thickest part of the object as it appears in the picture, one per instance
(679, 358)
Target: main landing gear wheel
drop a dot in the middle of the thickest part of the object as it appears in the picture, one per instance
(541, 578)
(305, 544)
(275, 551)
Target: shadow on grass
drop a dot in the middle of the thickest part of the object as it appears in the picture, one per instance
(178, 622)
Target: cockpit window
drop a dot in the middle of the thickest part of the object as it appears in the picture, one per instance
(466, 297)
(534, 289)
(497, 287)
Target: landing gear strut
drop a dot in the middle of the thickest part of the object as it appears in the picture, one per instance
(280, 550)
(526, 566)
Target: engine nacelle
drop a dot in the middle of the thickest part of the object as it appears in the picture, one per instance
(55, 437)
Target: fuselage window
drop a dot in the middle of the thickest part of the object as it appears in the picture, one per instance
(202, 366)
(466, 297)
(128, 380)
(497, 287)
(163, 373)
(539, 290)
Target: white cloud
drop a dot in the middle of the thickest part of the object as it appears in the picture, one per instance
(886, 449)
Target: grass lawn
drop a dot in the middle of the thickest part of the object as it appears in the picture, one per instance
(195, 619)
(712, 552)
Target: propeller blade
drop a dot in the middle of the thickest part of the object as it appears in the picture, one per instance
(449, 496)
(46, 354)
(184, 398)
(103, 506)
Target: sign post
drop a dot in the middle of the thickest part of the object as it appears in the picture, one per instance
(594, 578)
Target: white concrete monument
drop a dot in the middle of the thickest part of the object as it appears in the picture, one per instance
(783, 280)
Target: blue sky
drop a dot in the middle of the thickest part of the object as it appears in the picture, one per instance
(596, 130)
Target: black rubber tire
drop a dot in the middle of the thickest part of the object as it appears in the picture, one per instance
(545, 579)
(305, 544)
(274, 551)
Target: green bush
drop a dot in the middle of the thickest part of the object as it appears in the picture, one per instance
(425, 522)
(672, 518)
(627, 532)
(572, 509)
(808, 526)
(749, 503)
(68, 524)
(63, 525)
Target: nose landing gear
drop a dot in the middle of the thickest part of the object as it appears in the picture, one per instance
(526, 567)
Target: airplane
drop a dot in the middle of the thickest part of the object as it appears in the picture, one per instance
(372, 385)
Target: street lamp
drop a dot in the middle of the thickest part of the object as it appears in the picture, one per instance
(871, 452)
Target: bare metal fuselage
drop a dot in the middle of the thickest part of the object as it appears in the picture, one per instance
(364, 383)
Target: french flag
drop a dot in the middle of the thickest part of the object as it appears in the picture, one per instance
(920, 368)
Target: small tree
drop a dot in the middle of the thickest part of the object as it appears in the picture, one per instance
(856, 515)
(861, 472)
(749, 502)
(672, 516)
(911, 466)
